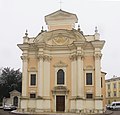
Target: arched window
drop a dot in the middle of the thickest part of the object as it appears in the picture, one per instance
(60, 77)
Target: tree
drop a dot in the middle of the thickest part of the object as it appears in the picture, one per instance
(10, 79)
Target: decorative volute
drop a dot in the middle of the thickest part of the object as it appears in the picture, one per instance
(61, 20)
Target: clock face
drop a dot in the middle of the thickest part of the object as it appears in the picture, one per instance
(60, 40)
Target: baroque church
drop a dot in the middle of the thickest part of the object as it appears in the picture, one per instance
(62, 68)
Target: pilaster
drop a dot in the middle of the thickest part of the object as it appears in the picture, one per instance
(97, 74)
(40, 75)
(73, 59)
(80, 90)
(24, 75)
(46, 78)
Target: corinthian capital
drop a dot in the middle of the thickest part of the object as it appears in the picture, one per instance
(24, 58)
(73, 57)
(47, 58)
(98, 56)
(79, 55)
(40, 56)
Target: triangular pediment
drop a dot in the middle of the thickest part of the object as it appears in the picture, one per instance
(60, 15)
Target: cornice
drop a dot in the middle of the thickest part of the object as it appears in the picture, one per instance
(98, 43)
(24, 46)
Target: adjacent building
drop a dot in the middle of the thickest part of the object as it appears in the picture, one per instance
(62, 68)
(112, 89)
(14, 98)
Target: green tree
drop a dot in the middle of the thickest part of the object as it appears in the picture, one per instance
(10, 79)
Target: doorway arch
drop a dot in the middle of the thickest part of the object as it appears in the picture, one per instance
(15, 101)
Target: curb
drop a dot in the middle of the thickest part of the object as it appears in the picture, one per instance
(108, 112)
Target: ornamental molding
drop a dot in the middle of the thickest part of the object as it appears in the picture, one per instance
(32, 69)
(59, 37)
(60, 90)
(61, 40)
(89, 67)
(60, 64)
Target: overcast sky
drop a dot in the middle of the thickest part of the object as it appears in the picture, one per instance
(18, 15)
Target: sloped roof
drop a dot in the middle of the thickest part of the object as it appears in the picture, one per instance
(14, 91)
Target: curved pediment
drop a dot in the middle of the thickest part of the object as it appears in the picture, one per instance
(59, 37)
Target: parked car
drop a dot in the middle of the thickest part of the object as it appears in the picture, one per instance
(114, 106)
(9, 107)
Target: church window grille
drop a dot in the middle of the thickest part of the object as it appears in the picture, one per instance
(89, 96)
(32, 95)
(60, 77)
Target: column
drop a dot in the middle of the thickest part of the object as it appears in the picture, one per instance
(24, 75)
(98, 74)
(40, 75)
(80, 80)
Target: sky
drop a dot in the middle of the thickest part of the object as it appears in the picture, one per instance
(18, 15)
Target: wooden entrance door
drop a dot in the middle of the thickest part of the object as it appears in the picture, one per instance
(60, 103)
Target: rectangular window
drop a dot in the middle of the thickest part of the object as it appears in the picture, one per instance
(114, 93)
(32, 95)
(114, 85)
(33, 79)
(108, 86)
(89, 96)
(88, 78)
(108, 94)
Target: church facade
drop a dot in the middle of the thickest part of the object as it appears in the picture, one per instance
(62, 68)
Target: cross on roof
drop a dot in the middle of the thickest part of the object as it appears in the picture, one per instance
(60, 4)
